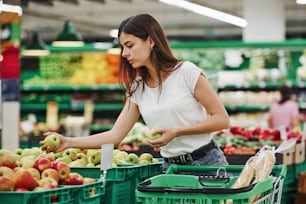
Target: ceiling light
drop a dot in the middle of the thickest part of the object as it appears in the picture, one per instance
(35, 47)
(301, 1)
(205, 11)
(10, 8)
(68, 37)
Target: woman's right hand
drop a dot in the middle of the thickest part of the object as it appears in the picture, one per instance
(62, 146)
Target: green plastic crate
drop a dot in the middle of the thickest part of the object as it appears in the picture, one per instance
(91, 193)
(59, 195)
(180, 188)
(120, 185)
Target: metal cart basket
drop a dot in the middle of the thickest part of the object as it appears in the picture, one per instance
(180, 186)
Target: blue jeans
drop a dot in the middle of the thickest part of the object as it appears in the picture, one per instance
(213, 157)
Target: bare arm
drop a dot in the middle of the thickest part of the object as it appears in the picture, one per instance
(127, 118)
(218, 118)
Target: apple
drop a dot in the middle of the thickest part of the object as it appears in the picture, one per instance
(26, 152)
(21, 190)
(8, 160)
(18, 151)
(62, 168)
(71, 152)
(65, 159)
(74, 178)
(52, 141)
(132, 158)
(6, 184)
(144, 162)
(77, 163)
(24, 179)
(7, 172)
(48, 183)
(83, 157)
(146, 156)
(42, 163)
(95, 158)
(27, 161)
(155, 160)
(89, 180)
(35, 151)
(4, 152)
(35, 173)
(50, 172)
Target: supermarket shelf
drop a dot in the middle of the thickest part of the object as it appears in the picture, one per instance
(246, 108)
(100, 128)
(107, 87)
(77, 107)
(237, 44)
(263, 85)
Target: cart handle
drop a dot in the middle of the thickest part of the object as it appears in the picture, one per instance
(175, 168)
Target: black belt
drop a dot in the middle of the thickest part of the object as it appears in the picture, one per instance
(196, 154)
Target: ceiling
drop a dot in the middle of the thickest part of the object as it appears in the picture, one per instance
(94, 19)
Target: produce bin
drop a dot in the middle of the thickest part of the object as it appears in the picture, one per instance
(180, 187)
(121, 182)
(59, 195)
(91, 193)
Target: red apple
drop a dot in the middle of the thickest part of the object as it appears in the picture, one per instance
(8, 160)
(48, 183)
(62, 168)
(7, 172)
(35, 173)
(6, 184)
(50, 173)
(21, 190)
(42, 163)
(24, 179)
(74, 179)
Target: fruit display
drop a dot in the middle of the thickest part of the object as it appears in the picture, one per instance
(242, 140)
(32, 169)
(139, 134)
(87, 68)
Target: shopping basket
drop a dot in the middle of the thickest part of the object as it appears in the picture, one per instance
(179, 187)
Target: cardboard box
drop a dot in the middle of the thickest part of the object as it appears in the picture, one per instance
(299, 154)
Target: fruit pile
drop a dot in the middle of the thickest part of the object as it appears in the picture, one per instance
(34, 170)
(241, 140)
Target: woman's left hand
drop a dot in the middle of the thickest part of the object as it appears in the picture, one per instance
(167, 134)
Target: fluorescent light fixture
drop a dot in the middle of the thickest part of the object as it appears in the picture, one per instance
(10, 8)
(113, 33)
(205, 11)
(301, 1)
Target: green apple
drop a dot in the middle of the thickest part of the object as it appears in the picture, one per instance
(71, 152)
(95, 158)
(18, 151)
(144, 162)
(52, 141)
(146, 156)
(132, 158)
(65, 159)
(83, 157)
(90, 164)
(77, 163)
(27, 162)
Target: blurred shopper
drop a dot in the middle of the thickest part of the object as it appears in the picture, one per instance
(172, 96)
(284, 112)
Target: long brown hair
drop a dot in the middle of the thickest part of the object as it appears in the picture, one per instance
(142, 26)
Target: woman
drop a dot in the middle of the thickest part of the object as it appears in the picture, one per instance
(174, 97)
(284, 112)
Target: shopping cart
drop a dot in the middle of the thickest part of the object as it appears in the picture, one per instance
(179, 186)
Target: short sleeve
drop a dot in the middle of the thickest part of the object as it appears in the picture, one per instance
(191, 74)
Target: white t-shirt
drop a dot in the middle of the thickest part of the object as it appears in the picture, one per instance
(174, 106)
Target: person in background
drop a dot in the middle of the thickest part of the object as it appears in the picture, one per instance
(284, 112)
(172, 96)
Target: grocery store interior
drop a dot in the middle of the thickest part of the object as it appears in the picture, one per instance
(248, 49)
